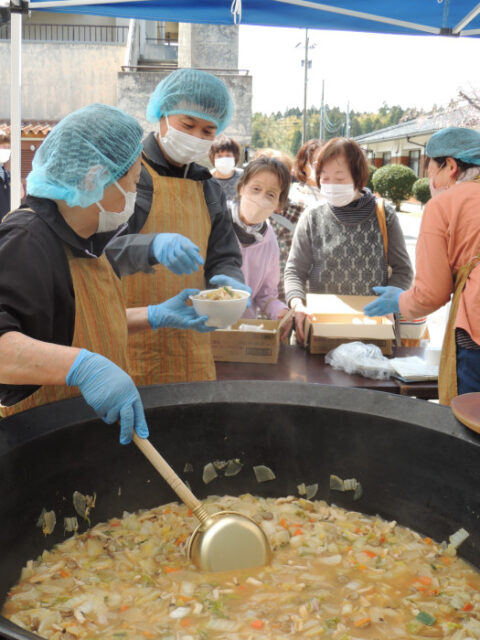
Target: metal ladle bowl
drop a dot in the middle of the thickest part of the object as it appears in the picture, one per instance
(223, 541)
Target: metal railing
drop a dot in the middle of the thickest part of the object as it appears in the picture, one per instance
(170, 40)
(168, 66)
(94, 33)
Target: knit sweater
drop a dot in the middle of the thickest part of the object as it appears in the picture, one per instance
(340, 251)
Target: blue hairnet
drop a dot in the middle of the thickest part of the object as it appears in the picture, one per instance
(195, 93)
(84, 153)
(455, 142)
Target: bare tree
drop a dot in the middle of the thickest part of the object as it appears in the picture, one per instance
(472, 99)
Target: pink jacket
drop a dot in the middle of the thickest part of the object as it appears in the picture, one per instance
(449, 238)
(261, 268)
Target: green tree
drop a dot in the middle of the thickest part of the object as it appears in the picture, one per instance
(296, 142)
(371, 170)
(421, 190)
(394, 181)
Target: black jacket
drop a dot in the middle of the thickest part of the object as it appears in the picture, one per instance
(130, 253)
(4, 193)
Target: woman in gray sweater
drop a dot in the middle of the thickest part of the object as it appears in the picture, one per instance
(338, 246)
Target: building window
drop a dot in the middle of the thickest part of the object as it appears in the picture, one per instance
(370, 156)
(414, 161)
(387, 158)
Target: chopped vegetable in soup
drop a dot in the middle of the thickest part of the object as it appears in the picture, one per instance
(222, 293)
(335, 574)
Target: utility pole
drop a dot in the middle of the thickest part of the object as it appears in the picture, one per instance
(322, 122)
(347, 133)
(306, 64)
(305, 85)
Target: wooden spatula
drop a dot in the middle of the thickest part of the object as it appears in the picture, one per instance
(466, 408)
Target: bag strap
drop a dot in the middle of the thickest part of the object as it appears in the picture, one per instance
(382, 223)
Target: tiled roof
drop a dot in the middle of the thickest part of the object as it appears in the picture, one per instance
(30, 129)
(464, 116)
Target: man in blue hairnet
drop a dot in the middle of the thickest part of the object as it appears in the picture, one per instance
(63, 324)
(176, 195)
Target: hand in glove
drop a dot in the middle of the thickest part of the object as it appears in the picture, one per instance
(227, 281)
(110, 392)
(386, 303)
(176, 252)
(175, 313)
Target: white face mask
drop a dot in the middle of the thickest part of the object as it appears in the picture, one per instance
(112, 220)
(183, 148)
(4, 155)
(338, 195)
(225, 165)
(255, 209)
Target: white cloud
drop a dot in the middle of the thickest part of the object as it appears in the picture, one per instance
(364, 69)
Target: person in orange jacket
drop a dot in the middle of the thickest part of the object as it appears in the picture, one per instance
(448, 259)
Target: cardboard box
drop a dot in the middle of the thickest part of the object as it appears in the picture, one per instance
(232, 345)
(335, 320)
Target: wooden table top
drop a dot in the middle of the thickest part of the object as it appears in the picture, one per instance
(296, 364)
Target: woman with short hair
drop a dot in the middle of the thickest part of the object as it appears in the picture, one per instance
(338, 246)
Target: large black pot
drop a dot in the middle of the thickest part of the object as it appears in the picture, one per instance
(416, 463)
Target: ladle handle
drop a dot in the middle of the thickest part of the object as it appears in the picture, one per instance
(169, 475)
(14, 632)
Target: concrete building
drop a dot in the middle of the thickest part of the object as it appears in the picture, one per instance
(69, 61)
(405, 142)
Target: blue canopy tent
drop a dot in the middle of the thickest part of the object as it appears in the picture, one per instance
(440, 17)
(453, 18)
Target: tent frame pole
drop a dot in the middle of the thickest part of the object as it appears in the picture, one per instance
(471, 15)
(15, 109)
(361, 14)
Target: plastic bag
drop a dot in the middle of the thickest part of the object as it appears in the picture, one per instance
(366, 360)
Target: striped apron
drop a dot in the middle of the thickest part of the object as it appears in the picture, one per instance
(100, 324)
(170, 355)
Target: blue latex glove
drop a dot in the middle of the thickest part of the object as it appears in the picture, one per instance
(110, 392)
(227, 281)
(176, 252)
(386, 303)
(175, 313)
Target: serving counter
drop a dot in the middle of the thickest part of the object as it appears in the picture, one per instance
(296, 364)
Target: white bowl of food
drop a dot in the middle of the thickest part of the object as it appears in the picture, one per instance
(223, 306)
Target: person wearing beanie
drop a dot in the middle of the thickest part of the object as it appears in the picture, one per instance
(448, 259)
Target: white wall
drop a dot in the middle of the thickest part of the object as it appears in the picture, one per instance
(58, 78)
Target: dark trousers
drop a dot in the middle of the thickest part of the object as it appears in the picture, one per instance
(468, 370)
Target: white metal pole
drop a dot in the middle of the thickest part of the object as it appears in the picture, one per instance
(305, 84)
(15, 108)
(322, 109)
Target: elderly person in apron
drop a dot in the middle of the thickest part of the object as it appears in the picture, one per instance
(178, 196)
(63, 323)
(448, 259)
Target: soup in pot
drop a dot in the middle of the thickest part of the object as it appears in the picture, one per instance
(335, 574)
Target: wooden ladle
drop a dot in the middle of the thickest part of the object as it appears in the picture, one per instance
(466, 408)
(223, 541)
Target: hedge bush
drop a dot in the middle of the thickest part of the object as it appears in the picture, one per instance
(421, 190)
(371, 171)
(395, 182)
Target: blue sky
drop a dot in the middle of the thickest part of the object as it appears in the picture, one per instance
(364, 69)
